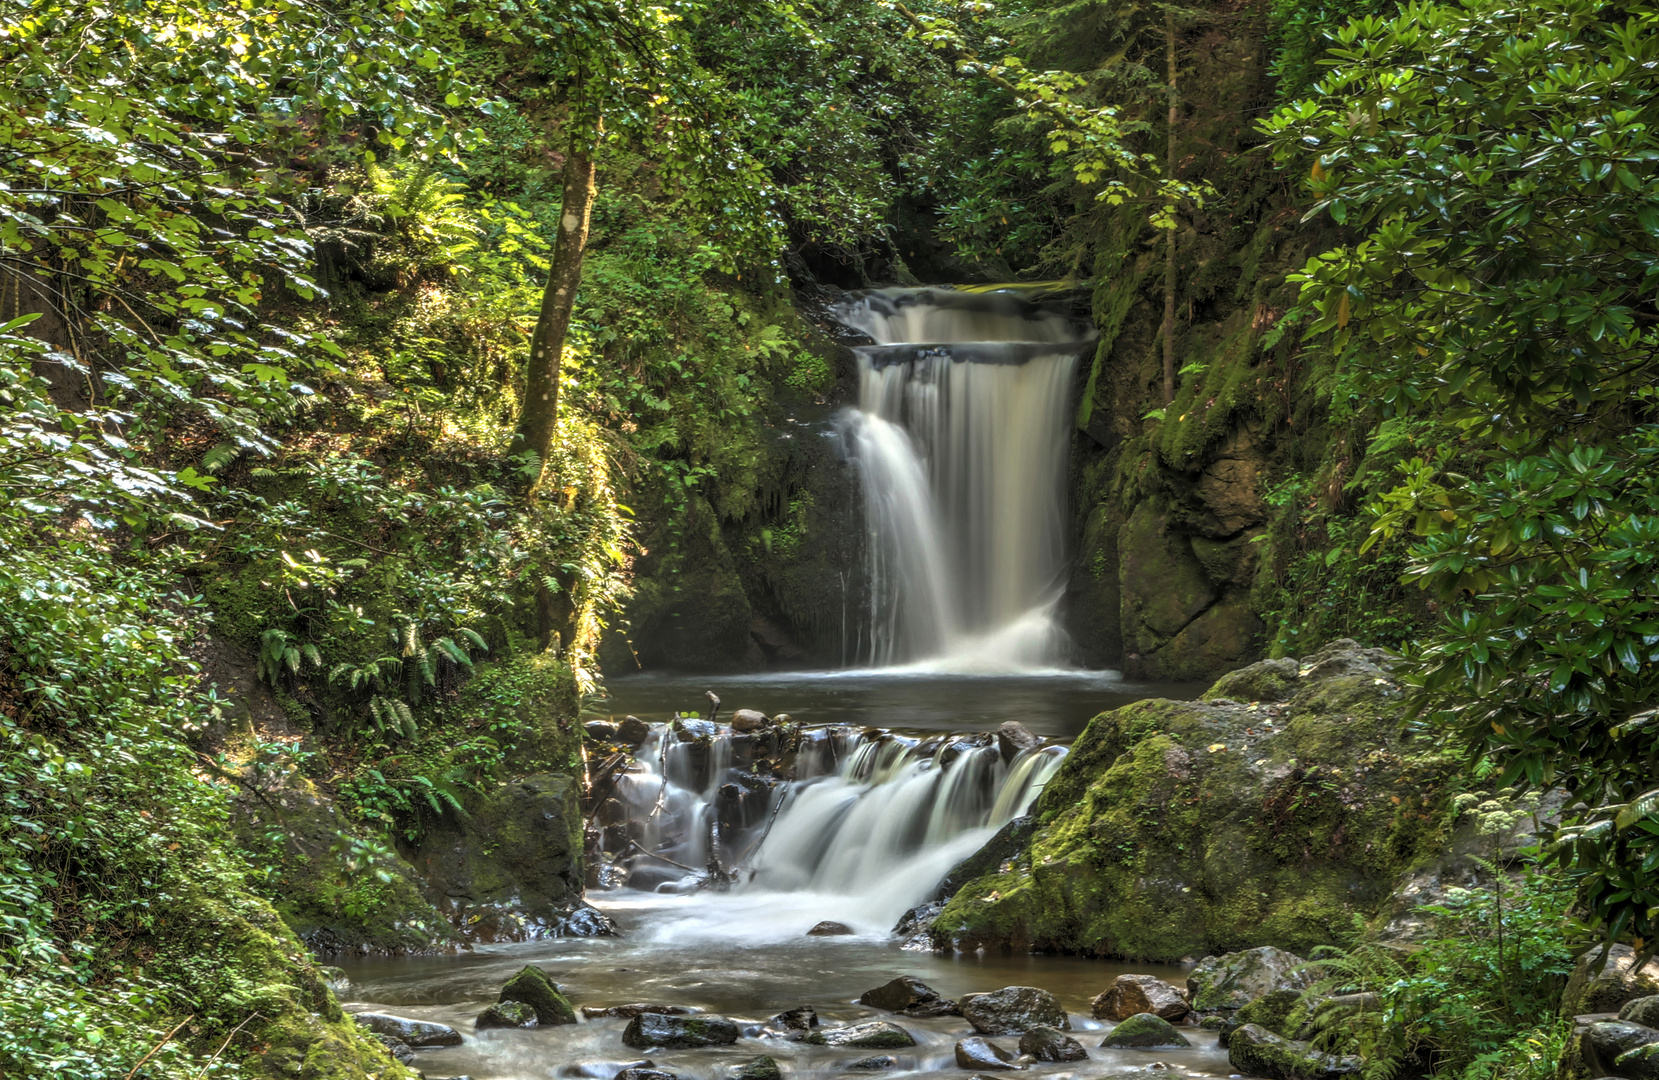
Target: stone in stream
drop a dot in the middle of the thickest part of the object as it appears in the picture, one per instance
(599, 730)
(507, 1014)
(414, 1033)
(762, 1068)
(678, 1032)
(878, 1061)
(900, 995)
(801, 1018)
(829, 928)
(1224, 983)
(632, 730)
(873, 1035)
(977, 1053)
(1012, 737)
(1132, 994)
(1052, 1044)
(594, 1012)
(1274, 1012)
(1144, 1031)
(646, 1074)
(536, 988)
(1013, 1010)
(1256, 1051)
(748, 720)
(400, 1050)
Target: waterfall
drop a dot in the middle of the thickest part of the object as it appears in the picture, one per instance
(870, 824)
(960, 440)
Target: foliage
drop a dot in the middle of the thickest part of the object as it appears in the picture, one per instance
(1504, 283)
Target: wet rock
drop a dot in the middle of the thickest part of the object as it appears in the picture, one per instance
(801, 1018)
(415, 1033)
(678, 1032)
(879, 1061)
(507, 1014)
(632, 730)
(1013, 1010)
(646, 1074)
(746, 720)
(938, 1007)
(762, 1068)
(978, 1053)
(1143, 1031)
(829, 928)
(1233, 981)
(900, 994)
(1606, 1043)
(630, 1011)
(600, 730)
(1255, 1051)
(1640, 1063)
(1644, 1011)
(1132, 994)
(873, 1035)
(1618, 982)
(1008, 842)
(1216, 1022)
(1012, 737)
(1274, 1012)
(1051, 1044)
(536, 988)
(913, 926)
(691, 729)
(336, 980)
(401, 1051)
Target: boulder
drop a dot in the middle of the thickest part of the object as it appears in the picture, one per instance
(800, 1018)
(1618, 982)
(1143, 1031)
(535, 988)
(1051, 1044)
(401, 1051)
(875, 1062)
(599, 730)
(828, 928)
(1013, 1010)
(507, 1014)
(414, 1033)
(762, 1068)
(873, 1035)
(678, 1032)
(977, 1053)
(1605, 1043)
(748, 720)
(1639, 1063)
(1233, 981)
(1013, 737)
(593, 1012)
(632, 730)
(899, 995)
(1644, 1011)
(639, 1073)
(1132, 994)
(937, 1007)
(1255, 1051)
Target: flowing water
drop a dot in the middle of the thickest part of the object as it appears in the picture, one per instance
(960, 439)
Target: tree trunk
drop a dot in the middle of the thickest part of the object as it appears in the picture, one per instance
(540, 419)
(1169, 250)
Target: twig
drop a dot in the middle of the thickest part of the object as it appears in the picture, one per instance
(653, 855)
(226, 1043)
(165, 1039)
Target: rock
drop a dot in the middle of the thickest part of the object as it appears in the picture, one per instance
(801, 1018)
(1640, 1063)
(336, 980)
(1013, 1010)
(1644, 1011)
(873, 1035)
(762, 1068)
(1213, 1023)
(1606, 1043)
(937, 1007)
(646, 1074)
(600, 730)
(678, 1032)
(1235, 980)
(632, 730)
(1143, 1031)
(415, 1033)
(536, 988)
(401, 1051)
(630, 1011)
(913, 925)
(1012, 737)
(900, 994)
(1132, 994)
(1267, 681)
(830, 929)
(507, 1014)
(1255, 1051)
(977, 1053)
(1273, 1012)
(748, 720)
(1051, 1044)
(1608, 990)
(879, 1061)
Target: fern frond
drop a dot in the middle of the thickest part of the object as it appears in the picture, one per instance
(310, 652)
(475, 637)
(454, 651)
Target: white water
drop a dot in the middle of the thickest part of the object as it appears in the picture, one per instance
(867, 830)
(960, 438)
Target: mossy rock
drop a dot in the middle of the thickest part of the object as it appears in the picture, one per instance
(1185, 828)
(1278, 1012)
(508, 1014)
(1643, 1010)
(535, 988)
(1255, 1051)
(678, 1032)
(1266, 680)
(1143, 1031)
(762, 1068)
(1642, 1063)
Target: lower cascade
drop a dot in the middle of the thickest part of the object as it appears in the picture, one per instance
(856, 824)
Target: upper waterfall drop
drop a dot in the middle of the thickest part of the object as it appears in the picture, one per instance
(960, 439)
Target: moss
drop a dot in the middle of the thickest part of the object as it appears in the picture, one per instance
(535, 988)
(762, 1068)
(1144, 1031)
(1274, 1012)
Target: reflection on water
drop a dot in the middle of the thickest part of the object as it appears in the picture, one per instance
(1055, 704)
(663, 957)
